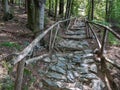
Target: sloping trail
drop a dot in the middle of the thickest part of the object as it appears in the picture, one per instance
(75, 68)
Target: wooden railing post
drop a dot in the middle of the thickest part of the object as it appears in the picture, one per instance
(19, 76)
(58, 26)
(104, 40)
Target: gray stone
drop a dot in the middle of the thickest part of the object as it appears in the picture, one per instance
(61, 64)
(87, 61)
(58, 69)
(76, 74)
(47, 60)
(87, 55)
(97, 84)
(77, 60)
(70, 44)
(93, 68)
(84, 65)
(61, 58)
(89, 76)
(79, 32)
(70, 76)
(88, 51)
(56, 76)
(85, 43)
(83, 70)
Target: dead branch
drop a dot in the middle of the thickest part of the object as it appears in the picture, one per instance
(36, 59)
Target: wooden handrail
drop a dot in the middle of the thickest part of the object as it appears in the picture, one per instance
(26, 51)
(106, 27)
(98, 41)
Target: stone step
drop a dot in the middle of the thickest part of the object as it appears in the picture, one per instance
(80, 32)
(75, 70)
(74, 37)
(72, 44)
(70, 70)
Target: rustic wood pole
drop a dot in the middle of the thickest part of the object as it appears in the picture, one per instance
(55, 36)
(97, 40)
(50, 41)
(19, 77)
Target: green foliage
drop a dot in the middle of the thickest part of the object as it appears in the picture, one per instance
(11, 45)
(102, 22)
(113, 40)
(8, 84)
(32, 79)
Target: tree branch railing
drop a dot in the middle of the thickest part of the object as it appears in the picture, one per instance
(27, 50)
(101, 44)
(22, 56)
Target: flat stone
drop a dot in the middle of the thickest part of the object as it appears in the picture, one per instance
(97, 84)
(79, 32)
(88, 51)
(61, 58)
(89, 76)
(87, 55)
(56, 76)
(76, 74)
(58, 69)
(87, 61)
(70, 44)
(47, 60)
(61, 64)
(85, 43)
(70, 76)
(69, 66)
(77, 60)
(83, 70)
(93, 68)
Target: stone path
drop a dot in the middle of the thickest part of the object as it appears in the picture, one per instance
(73, 70)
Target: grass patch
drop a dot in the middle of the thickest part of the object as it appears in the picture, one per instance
(11, 45)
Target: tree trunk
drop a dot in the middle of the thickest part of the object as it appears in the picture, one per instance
(50, 7)
(61, 7)
(41, 17)
(68, 10)
(92, 9)
(7, 15)
(30, 14)
(56, 4)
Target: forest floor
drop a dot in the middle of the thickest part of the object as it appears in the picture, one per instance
(13, 39)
